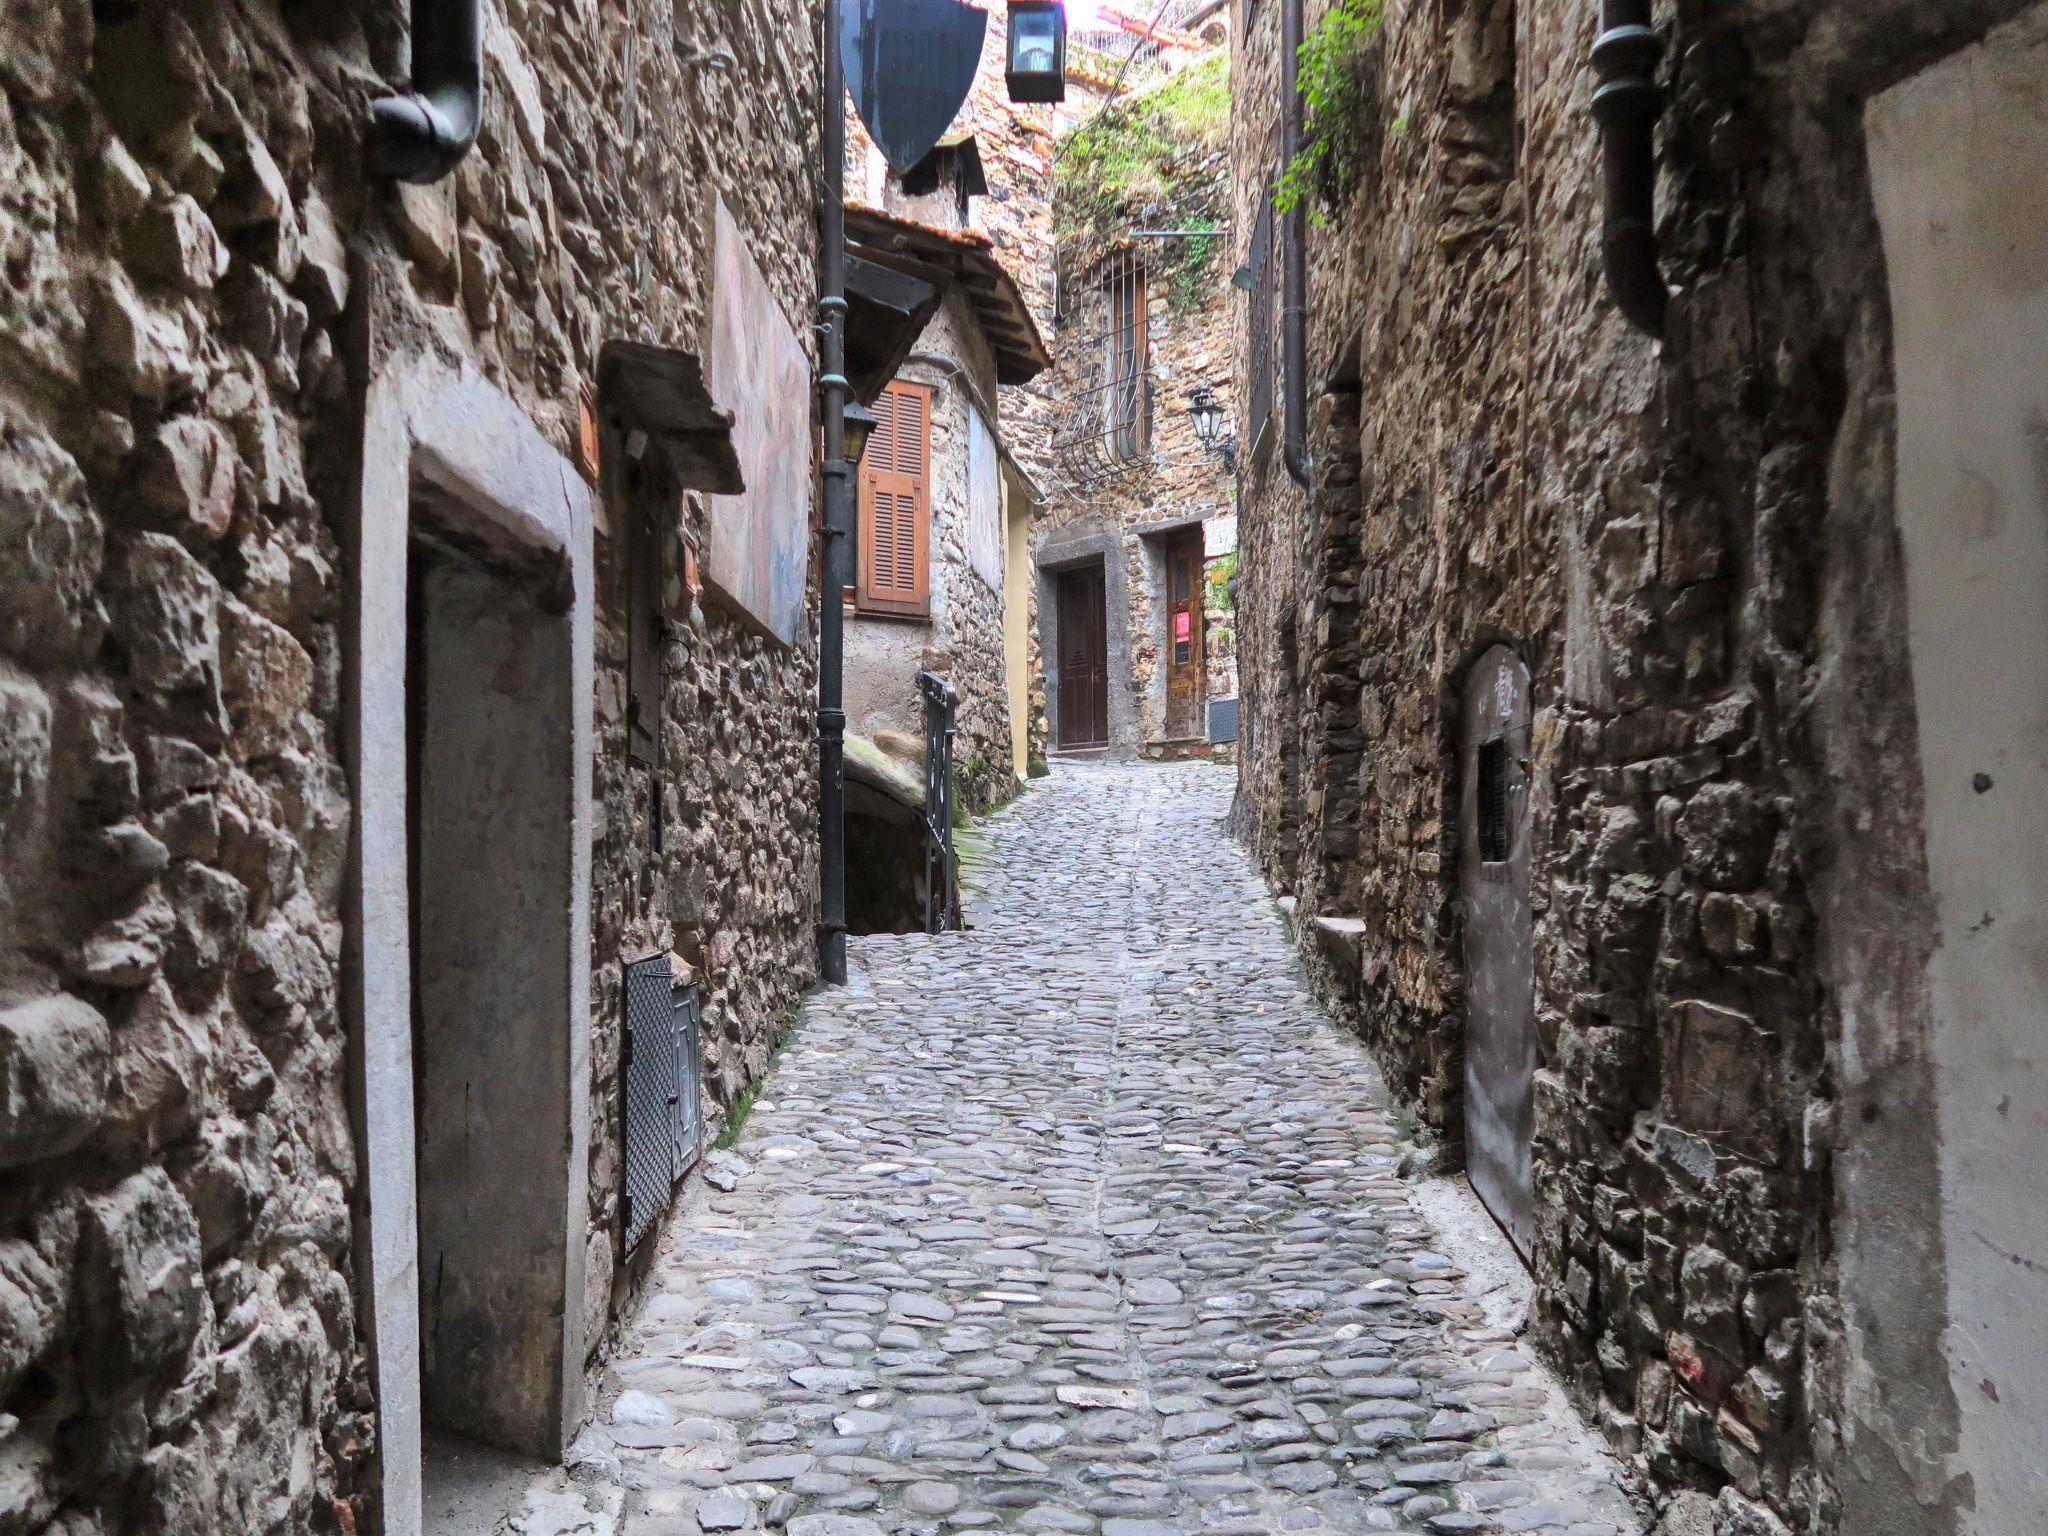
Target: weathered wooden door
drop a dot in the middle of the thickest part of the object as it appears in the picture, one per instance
(1500, 970)
(1084, 659)
(1187, 676)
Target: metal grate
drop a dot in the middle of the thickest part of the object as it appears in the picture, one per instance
(1493, 801)
(1222, 721)
(662, 1115)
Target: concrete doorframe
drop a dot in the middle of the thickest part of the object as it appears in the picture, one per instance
(442, 436)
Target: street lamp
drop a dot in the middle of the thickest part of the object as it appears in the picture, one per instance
(1207, 413)
(1037, 65)
(860, 424)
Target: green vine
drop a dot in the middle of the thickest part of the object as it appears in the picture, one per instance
(1157, 158)
(1339, 83)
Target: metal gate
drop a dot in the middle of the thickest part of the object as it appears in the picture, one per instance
(1500, 967)
(941, 876)
(662, 1113)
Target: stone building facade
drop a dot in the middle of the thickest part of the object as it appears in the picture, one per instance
(1709, 583)
(294, 474)
(979, 210)
(1138, 503)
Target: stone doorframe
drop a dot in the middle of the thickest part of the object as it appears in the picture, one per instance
(442, 433)
(1070, 549)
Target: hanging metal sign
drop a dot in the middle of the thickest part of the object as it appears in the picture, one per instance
(909, 65)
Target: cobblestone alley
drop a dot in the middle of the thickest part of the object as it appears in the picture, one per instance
(1082, 1221)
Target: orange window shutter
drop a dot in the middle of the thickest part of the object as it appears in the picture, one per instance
(895, 502)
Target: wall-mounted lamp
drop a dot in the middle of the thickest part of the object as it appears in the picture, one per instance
(860, 425)
(1206, 411)
(1037, 66)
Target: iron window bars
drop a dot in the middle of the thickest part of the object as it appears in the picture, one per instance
(660, 1088)
(1105, 430)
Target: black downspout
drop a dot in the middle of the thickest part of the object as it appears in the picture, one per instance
(1625, 104)
(423, 134)
(838, 519)
(1293, 261)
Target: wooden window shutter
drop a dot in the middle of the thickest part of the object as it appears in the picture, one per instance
(895, 504)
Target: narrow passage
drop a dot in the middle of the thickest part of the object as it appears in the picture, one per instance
(1083, 1221)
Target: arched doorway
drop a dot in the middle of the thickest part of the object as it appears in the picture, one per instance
(1500, 972)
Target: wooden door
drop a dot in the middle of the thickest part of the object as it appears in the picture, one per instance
(1187, 668)
(1083, 647)
(1500, 966)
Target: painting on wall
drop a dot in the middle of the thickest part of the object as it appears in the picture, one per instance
(755, 558)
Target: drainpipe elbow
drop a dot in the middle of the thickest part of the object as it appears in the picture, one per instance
(421, 135)
(1626, 105)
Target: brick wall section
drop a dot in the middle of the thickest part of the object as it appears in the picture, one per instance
(186, 221)
(1692, 549)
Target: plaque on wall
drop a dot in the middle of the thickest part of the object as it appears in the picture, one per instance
(754, 557)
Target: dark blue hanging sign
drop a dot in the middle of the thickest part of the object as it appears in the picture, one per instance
(909, 65)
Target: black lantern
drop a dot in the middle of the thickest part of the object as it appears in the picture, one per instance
(860, 422)
(1037, 66)
(1206, 411)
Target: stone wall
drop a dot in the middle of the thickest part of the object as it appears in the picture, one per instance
(1175, 483)
(1692, 547)
(189, 232)
(962, 640)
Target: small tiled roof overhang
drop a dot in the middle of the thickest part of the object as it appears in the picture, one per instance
(999, 306)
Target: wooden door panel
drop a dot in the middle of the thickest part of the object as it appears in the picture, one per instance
(1500, 964)
(1187, 677)
(1082, 648)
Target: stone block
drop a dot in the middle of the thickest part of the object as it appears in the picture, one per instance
(55, 1060)
(267, 682)
(45, 49)
(1725, 834)
(24, 755)
(160, 1079)
(1720, 1067)
(52, 548)
(140, 1281)
(167, 616)
(175, 243)
(143, 350)
(186, 474)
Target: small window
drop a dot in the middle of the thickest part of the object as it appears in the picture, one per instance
(1259, 327)
(1495, 836)
(1127, 362)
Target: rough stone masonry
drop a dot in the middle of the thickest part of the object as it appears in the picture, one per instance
(1692, 546)
(190, 241)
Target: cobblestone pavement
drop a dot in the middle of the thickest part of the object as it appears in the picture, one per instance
(1083, 1221)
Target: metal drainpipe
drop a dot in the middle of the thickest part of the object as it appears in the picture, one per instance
(1625, 104)
(838, 519)
(422, 134)
(1293, 261)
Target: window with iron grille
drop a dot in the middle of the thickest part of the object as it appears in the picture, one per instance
(1259, 328)
(1495, 836)
(1128, 429)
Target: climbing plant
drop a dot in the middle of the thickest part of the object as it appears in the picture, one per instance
(1157, 158)
(1339, 81)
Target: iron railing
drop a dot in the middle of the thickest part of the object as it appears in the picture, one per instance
(660, 1078)
(941, 872)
